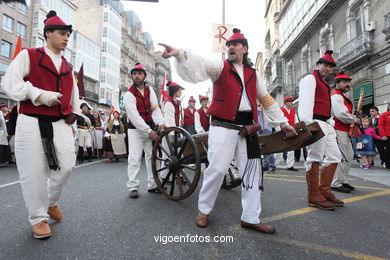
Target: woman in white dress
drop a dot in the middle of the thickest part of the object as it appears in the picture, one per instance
(97, 134)
(115, 144)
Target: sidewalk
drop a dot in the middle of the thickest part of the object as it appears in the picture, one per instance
(376, 174)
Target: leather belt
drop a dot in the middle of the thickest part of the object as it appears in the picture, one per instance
(225, 125)
(83, 127)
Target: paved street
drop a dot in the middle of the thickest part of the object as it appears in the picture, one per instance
(101, 222)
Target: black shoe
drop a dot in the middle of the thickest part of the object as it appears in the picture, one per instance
(133, 194)
(154, 190)
(341, 189)
(292, 169)
(346, 185)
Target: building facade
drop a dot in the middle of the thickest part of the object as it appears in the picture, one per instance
(87, 53)
(137, 47)
(15, 20)
(354, 29)
(101, 22)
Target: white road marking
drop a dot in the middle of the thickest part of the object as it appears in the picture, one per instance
(78, 166)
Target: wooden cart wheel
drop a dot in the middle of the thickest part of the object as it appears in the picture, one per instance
(232, 178)
(176, 163)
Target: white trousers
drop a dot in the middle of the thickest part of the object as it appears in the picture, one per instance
(85, 138)
(345, 146)
(224, 145)
(41, 186)
(326, 146)
(139, 142)
(290, 159)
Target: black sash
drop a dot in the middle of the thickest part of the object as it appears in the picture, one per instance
(47, 134)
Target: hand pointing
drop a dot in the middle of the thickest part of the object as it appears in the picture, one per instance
(169, 51)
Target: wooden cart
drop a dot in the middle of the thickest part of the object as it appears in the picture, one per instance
(178, 157)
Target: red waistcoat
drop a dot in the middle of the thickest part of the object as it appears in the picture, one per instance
(338, 124)
(44, 75)
(204, 119)
(290, 116)
(227, 92)
(143, 103)
(322, 103)
(176, 105)
(189, 117)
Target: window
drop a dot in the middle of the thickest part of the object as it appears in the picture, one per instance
(104, 31)
(103, 62)
(8, 23)
(306, 59)
(5, 49)
(104, 47)
(38, 42)
(359, 21)
(11, 4)
(103, 78)
(105, 17)
(3, 66)
(326, 38)
(21, 30)
(102, 93)
(22, 8)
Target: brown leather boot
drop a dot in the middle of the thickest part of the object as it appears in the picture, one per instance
(41, 230)
(315, 199)
(55, 212)
(327, 174)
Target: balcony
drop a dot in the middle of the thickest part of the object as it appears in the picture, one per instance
(92, 96)
(386, 27)
(356, 51)
(125, 69)
(125, 49)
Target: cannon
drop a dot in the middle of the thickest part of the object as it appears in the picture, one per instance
(178, 157)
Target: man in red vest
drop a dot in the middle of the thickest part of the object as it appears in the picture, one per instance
(143, 114)
(49, 97)
(290, 113)
(315, 106)
(202, 119)
(189, 119)
(343, 117)
(236, 89)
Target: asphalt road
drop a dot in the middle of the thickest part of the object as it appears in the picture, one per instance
(102, 222)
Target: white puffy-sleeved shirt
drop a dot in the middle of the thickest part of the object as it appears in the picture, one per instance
(198, 126)
(307, 90)
(169, 115)
(340, 111)
(135, 118)
(194, 69)
(19, 90)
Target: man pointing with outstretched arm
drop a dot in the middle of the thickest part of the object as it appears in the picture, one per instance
(237, 87)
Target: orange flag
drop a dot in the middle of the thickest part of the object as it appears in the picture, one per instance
(18, 47)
